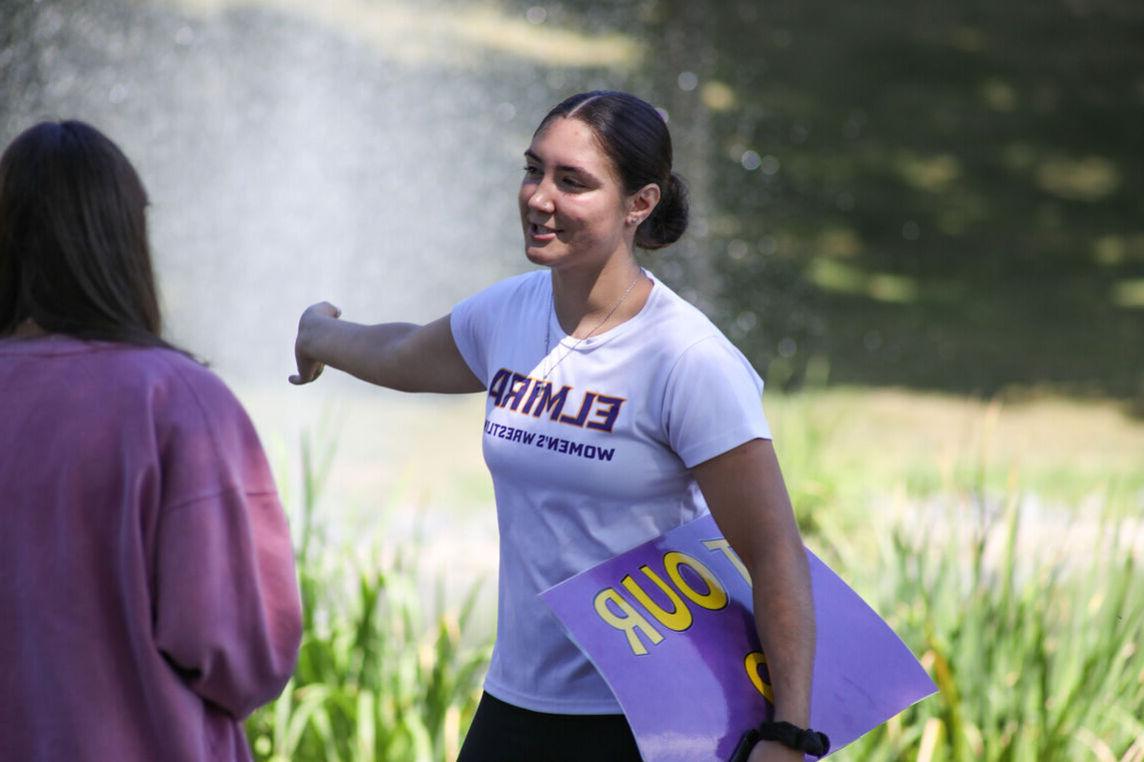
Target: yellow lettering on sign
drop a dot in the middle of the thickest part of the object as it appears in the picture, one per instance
(714, 599)
(678, 619)
(732, 556)
(629, 623)
(754, 660)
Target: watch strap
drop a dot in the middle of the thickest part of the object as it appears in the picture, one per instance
(801, 739)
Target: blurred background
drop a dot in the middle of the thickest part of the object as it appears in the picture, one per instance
(919, 195)
(923, 222)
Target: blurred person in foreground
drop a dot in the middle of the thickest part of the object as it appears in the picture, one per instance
(593, 347)
(148, 595)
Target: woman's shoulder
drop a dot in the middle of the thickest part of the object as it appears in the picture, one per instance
(206, 439)
(525, 283)
(166, 378)
(514, 293)
(678, 323)
(128, 381)
(685, 336)
(186, 377)
(146, 364)
(95, 361)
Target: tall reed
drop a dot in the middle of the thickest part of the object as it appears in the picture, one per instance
(1034, 641)
(1033, 631)
(383, 675)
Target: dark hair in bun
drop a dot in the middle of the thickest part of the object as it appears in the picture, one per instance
(635, 137)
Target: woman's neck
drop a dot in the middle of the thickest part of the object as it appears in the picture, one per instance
(591, 301)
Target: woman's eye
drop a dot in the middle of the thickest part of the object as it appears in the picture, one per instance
(572, 182)
(530, 170)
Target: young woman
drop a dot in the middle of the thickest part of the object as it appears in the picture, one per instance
(147, 586)
(596, 351)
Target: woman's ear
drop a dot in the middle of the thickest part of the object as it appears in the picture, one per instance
(642, 203)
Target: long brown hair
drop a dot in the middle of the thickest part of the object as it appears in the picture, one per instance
(74, 255)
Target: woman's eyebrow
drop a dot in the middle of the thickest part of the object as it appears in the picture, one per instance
(560, 167)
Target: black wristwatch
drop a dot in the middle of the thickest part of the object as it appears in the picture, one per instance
(805, 740)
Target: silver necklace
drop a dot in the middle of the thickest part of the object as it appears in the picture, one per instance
(552, 311)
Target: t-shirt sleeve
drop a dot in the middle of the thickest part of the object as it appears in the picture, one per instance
(713, 402)
(227, 606)
(474, 320)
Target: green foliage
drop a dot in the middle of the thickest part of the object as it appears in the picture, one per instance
(1036, 656)
(1027, 611)
(1036, 652)
(845, 449)
(378, 677)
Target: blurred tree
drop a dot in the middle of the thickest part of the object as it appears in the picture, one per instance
(935, 195)
(944, 196)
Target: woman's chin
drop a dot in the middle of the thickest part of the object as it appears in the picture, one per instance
(539, 255)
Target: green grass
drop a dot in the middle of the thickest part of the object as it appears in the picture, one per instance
(844, 450)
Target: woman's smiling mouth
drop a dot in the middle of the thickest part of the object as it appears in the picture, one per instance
(541, 233)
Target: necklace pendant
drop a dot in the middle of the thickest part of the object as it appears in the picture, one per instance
(588, 336)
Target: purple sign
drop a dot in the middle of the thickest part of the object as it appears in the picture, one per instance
(669, 626)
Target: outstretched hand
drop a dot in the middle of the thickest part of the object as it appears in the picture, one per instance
(309, 367)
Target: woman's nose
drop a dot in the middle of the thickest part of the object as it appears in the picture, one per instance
(541, 199)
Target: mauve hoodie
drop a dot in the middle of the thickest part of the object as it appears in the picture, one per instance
(148, 598)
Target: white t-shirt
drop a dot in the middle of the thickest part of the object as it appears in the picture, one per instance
(592, 460)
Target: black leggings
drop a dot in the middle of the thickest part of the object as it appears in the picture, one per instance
(505, 733)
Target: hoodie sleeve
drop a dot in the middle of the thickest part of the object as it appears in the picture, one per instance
(227, 608)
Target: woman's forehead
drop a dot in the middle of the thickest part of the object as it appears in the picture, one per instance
(570, 142)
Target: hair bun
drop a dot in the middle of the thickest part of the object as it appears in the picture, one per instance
(668, 221)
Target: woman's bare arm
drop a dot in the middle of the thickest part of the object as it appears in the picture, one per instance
(402, 356)
(745, 491)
